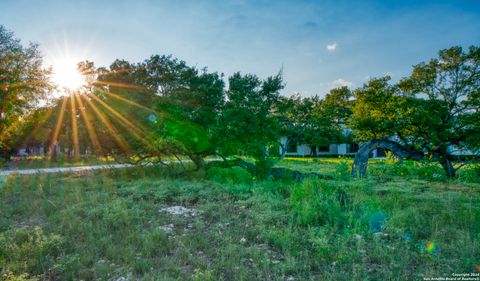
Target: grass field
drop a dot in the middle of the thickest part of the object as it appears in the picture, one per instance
(403, 222)
(37, 162)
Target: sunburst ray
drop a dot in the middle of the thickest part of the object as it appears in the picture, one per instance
(90, 130)
(138, 129)
(73, 109)
(38, 126)
(118, 139)
(119, 85)
(54, 139)
(126, 100)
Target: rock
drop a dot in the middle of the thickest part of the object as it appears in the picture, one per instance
(167, 228)
(180, 211)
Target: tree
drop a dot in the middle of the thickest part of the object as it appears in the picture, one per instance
(125, 104)
(189, 101)
(329, 117)
(23, 84)
(294, 116)
(248, 124)
(314, 121)
(433, 112)
(176, 104)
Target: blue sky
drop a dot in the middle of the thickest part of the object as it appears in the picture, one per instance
(319, 44)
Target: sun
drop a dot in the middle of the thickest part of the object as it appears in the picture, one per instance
(66, 75)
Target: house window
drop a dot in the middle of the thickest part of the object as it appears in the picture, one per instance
(292, 147)
(325, 148)
(353, 148)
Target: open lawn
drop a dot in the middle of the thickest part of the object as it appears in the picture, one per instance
(403, 222)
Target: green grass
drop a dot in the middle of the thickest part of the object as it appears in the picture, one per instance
(105, 225)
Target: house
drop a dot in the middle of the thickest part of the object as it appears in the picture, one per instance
(295, 149)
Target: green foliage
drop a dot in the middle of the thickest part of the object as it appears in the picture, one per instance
(23, 83)
(315, 121)
(263, 167)
(189, 99)
(247, 123)
(434, 110)
(374, 110)
(340, 206)
(28, 249)
(343, 170)
(186, 135)
(315, 203)
(235, 175)
(10, 276)
(200, 275)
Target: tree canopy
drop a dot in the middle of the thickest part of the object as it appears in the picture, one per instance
(434, 111)
(23, 84)
(315, 121)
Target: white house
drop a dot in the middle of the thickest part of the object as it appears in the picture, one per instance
(302, 150)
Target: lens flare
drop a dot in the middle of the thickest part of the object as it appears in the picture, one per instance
(407, 237)
(152, 118)
(430, 247)
(66, 74)
(377, 222)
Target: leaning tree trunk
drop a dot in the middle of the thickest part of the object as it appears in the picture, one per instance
(359, 167)
(448, 167)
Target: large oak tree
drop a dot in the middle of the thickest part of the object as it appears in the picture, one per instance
(434, 112)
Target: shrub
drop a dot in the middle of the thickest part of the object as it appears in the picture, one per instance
(315, 203)
(235, 175)
(10, 276)
(202, 275)
(29, 250)
(428, 170)
(263, 167)
(343, 170)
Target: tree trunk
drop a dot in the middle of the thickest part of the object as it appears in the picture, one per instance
(359, 167)
(198, 161)
(68, 152)
(55, 153)
(283, 148)
(448, 167)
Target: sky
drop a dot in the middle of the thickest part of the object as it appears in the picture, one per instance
(318, 45)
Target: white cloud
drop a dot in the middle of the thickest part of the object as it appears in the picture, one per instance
(340, 83)
(325, 87)
(332, 47)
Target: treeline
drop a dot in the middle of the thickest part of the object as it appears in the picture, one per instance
(162, 108)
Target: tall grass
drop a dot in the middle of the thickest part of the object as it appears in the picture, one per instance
(107, 225)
